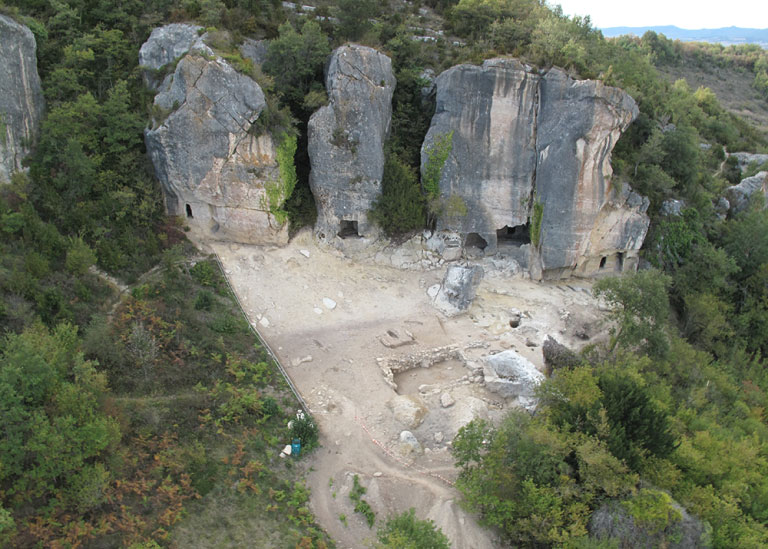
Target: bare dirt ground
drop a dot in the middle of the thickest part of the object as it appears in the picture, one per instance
(331, 354)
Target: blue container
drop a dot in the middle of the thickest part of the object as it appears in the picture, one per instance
(296, 448)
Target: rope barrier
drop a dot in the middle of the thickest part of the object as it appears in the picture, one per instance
(404, 464)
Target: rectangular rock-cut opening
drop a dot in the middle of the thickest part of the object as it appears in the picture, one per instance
(602, 262)
(348, 229)
(189, 211)
(620, 261)
(514, 236)
(474, 240)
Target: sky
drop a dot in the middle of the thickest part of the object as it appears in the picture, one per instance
(686, 14)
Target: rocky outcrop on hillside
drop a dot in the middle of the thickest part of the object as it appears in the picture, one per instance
(738, 196)
(165, 45)
(520, 138)
(745, 159)
(21, 97)
(212, 167)
(346, 141)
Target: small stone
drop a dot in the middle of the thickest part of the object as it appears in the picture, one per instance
(305, 253)
(439, 437)
(318, 310)
(329, 303)
(377, 474)
(433, 290)
(446, 400)
(264, 322)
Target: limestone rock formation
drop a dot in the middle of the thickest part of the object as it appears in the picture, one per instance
(21, 98)
(745, 159)
(346, 141)
(213, 168)
(520, 138)
(511, 375)
(458, 289)
(165, 45)
(738, 196)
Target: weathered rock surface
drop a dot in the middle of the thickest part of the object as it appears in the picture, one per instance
(408, 410)
(745, 159)
(521, 137)
(346, 141)
(612, 521)
(255, 50)
(511, 375)
(165, 45)
(672, 207)
(21, 98)
(557, 356)
(212, 168)
(738, 196)
(458, 289)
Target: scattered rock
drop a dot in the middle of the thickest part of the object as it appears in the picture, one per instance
(377, 474)
(408, 410)
(510, 375)
(305, 253)
(446, 400)
(672, 207)
(318, 311)
(264, 322)
(458, 289)
(433, 290)
(465, 410)
(439, 437)
(329, 303)
(409, 444)
(514, 319)
(557, 355)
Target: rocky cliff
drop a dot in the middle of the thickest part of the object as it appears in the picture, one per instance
(212, 166)
(531, 149)
(21, 98)
(346, 141)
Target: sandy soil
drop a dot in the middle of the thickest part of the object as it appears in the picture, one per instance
(331, 355)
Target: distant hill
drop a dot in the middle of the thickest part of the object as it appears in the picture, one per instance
(725, 35)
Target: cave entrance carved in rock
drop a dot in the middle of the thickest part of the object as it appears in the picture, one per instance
(348, 229)
(189, 212)
(514, 236)
(474, 240)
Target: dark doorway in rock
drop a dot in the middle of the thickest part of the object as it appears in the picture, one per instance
(620, 261)
(474, 240)
(602, 262)
(189, 211)
(514, 236)
(348, 229)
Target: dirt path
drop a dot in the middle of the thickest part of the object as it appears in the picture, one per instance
(325, 315)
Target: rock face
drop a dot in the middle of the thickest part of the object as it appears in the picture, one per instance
(511, 375)
(738, 196)
(166, 45)
(21, 98)
(745, 159)
(212, 168)
(346, 141)
(520, 138)
(458, 289)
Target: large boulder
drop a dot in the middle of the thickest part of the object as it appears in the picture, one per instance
(408, 410)
(21, 97)
(521, 138)
(745, 159)
(213, 167)
(458, 289)
(738, 196)
(346, 141)
(164, 46)
(511, 375)
(667, 525)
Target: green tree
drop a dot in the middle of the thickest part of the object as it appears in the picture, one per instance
(295, 60)
(639, 310)
(405, 531)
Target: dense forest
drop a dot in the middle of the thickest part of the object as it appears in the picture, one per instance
(139, 409)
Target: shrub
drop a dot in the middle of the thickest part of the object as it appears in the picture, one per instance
(400, 208)
(405, 531)
(305, 429)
